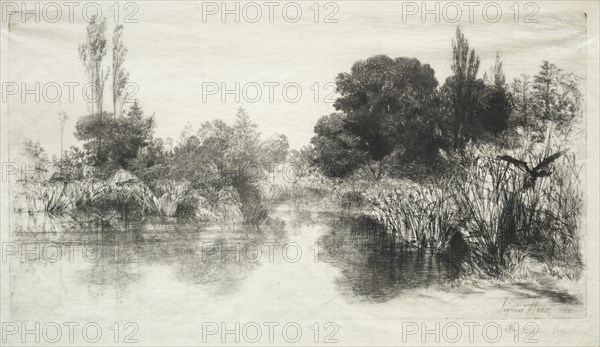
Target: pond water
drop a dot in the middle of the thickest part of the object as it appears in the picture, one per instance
(168, 274)
(377, 268)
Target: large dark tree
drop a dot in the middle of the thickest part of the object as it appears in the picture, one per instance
(473, 108)
(385, 105)
(487, 112)
(336, 150)
(495, 109)
(386, 100)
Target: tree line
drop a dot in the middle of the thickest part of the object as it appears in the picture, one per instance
(211, 157)
(392, 115)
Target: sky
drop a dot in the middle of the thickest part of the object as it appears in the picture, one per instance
(178, 52)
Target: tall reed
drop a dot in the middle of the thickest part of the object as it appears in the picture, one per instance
(422, 216)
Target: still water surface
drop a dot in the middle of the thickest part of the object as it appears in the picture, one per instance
(168, 274)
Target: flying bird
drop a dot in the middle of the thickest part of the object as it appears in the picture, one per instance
(540, 170)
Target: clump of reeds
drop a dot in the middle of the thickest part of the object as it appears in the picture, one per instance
(421, 216)
(56, 200)
(502, 220)
(86, 193)
(506, 221)
(488, 211)
(387, 209)
(174, 198)
(554, 237)
(49, 197)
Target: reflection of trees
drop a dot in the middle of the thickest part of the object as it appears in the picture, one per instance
(177, 243)
(40, 222)
(114, 259)
(375, 267)
(109, 252)
(222, 269)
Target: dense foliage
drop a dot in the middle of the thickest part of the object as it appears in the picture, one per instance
(114, 142)
(393, 119)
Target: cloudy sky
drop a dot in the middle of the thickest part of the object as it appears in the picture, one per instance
(178, 49)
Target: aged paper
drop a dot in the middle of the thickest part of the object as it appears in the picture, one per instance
(373, 173)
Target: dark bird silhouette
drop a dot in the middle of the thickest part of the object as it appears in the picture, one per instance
(540, 170)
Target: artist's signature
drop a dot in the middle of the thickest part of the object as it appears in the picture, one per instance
(530, 307)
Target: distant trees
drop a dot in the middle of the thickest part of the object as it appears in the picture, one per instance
(33, 160)
(384, 101)
(475, 108)
(219, 154)
(391, 114)
(463, 85)
(91, 53)
(34, 150)
(557, 94)
(551, 96)
(72, 164)
(497, 102)
(152, 162)
(120, 76)
(275, 149)
(106, 145)
(203, 158)
(521, 91)
(303, 160)
(114, 142)
(496, 76)
(392, 109)
(545, 87)
(219, 157)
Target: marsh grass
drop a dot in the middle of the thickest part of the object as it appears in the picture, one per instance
(421, 216)
(174, 199)
(85, 194)
(55, 199)
(508, 222)
(37, 197)
(504, 223)
(489, 210)
(557, 223)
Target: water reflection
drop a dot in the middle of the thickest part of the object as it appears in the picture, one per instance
(375, 267)
(152, 266)
(97, 256)
(111, 255)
